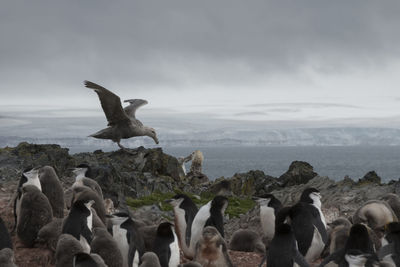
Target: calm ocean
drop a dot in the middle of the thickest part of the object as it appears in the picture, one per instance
(334, 162)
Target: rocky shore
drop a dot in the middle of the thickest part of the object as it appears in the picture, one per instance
(144, 173)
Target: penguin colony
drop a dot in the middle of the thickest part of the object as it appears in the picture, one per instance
(296, 235)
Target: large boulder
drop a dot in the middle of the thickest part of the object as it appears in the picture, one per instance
(248, 184)
(370, 178)
(14, 160)
(299, 172)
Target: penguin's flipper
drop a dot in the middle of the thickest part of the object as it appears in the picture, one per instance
(299, 259)
(87, 234)
(319, 224)
(386, 250)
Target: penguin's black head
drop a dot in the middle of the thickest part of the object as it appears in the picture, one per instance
(86, 167)
(310, 195)
(121, 214)
(177, 200)
(219, 203)
(265, 199)
(165, 229)
(29, 173)
(359, 239)
(83, 205)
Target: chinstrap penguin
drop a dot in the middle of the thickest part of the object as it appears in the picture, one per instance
(79, 223)
(283, 251)
(130, 242)
(269, 207)
(166, 245)
(184, 213)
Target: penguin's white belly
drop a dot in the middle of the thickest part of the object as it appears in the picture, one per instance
(267, 217)
(90, 221)
(85, 244)
(316, 247)
(355, 261)
(198, 224)
(135, 262)
(174, 260)
(180, 223)
(119, 235)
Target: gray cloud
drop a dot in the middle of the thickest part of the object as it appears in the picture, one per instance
(175, 43)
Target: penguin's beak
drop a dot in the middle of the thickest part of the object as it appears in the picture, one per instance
(168, 201)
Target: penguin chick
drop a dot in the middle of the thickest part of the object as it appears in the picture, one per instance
(79, 223)
(5, 238)
(358, 251)
(150, 259)
(376, 214)
(394, 202)
(88, 260)
(247, 241)
(48, 235)
(338, 234)
(52, 189)
(390, 250)
(35, 212)
(211, 249)
(7, 258)
(67, 247)
(166, 245)
(104, 245)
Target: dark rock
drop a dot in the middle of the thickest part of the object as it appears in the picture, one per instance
(250, 183)
(196, 178)
(299, 172)
(370, 177)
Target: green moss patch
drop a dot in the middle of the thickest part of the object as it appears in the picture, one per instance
(236, 205)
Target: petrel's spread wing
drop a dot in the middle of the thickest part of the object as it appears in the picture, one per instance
(134, 104)
(111, 104)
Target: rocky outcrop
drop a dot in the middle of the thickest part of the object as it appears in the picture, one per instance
(135, 174)
(245, 184)
(370, 177)
(299, 172)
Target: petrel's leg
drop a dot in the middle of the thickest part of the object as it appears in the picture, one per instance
(124, 148)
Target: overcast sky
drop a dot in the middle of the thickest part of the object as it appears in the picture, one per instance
(299, 60)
